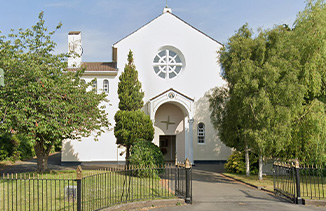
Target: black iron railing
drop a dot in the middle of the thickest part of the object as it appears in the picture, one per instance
(94, 190)
(299, 183)
(34, 192)
(313, 180)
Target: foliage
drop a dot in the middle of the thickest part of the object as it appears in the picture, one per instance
(132, 125)
(309, 35)
(225, 121)
(146, 154)
(9, 147)
(261, 84)
(14, 147)
(129, 87)
(263, 90)
(236, 163)
(276, 94)
(26, 148)
(41, 100)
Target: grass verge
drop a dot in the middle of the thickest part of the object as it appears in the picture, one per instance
(266, 183)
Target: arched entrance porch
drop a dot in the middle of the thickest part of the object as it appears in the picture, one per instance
(172, 116)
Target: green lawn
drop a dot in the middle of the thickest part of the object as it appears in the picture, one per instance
(310, 187)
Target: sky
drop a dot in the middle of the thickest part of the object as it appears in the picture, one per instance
(104, 22)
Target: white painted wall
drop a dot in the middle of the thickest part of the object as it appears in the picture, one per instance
(105, 148)
(201, 73)
(199, 76)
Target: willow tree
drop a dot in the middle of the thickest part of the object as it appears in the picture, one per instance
(132, 124)
(41, 99)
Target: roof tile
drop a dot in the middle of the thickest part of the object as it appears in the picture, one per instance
(97, 66)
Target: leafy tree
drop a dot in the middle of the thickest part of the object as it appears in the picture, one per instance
(264, 94)
(132, 124)
(308, 37)
(224, 115)
(41, 99)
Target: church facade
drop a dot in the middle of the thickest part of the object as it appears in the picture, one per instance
(177, 66)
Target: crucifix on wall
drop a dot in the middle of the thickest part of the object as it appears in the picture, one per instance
(168, 123)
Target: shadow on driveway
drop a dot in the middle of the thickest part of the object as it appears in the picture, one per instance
(213, 191)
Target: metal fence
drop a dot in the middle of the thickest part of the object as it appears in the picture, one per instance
(35, 192)
(299, 183)
(95, 189)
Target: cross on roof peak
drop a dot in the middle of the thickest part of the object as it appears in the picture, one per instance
(166, 8)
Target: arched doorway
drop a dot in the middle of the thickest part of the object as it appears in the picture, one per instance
(172, 116)
(170, 131)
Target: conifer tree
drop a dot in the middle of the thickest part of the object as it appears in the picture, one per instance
(132, 124)
(129, 87)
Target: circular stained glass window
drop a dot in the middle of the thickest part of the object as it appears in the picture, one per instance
(167, 64)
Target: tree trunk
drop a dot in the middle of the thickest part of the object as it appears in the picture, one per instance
(42, 157)
(260, 169)
(247, 161)
(127, 155)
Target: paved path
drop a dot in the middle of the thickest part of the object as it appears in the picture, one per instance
(212, 191)
(54, 163)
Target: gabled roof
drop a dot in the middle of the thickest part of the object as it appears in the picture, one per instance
(175, 17)
(171, 89)
(97, 66)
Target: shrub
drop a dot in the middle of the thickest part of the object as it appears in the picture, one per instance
(236, 163)
(146, 154)
(9, 147)
(15, 147)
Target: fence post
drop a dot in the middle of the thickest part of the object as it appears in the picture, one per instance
(298, 199)
(274, 176)
(188, 177)
(79, 187)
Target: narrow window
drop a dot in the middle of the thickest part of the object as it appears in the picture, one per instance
(94, 86)
(201, 133)
(106, 86)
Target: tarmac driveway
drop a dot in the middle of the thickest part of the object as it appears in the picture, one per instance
(212, 191)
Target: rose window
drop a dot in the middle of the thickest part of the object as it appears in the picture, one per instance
(167, 64)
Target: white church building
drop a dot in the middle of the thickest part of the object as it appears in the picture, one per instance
(177, 66)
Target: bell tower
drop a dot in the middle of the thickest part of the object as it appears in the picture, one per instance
(75, 49)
